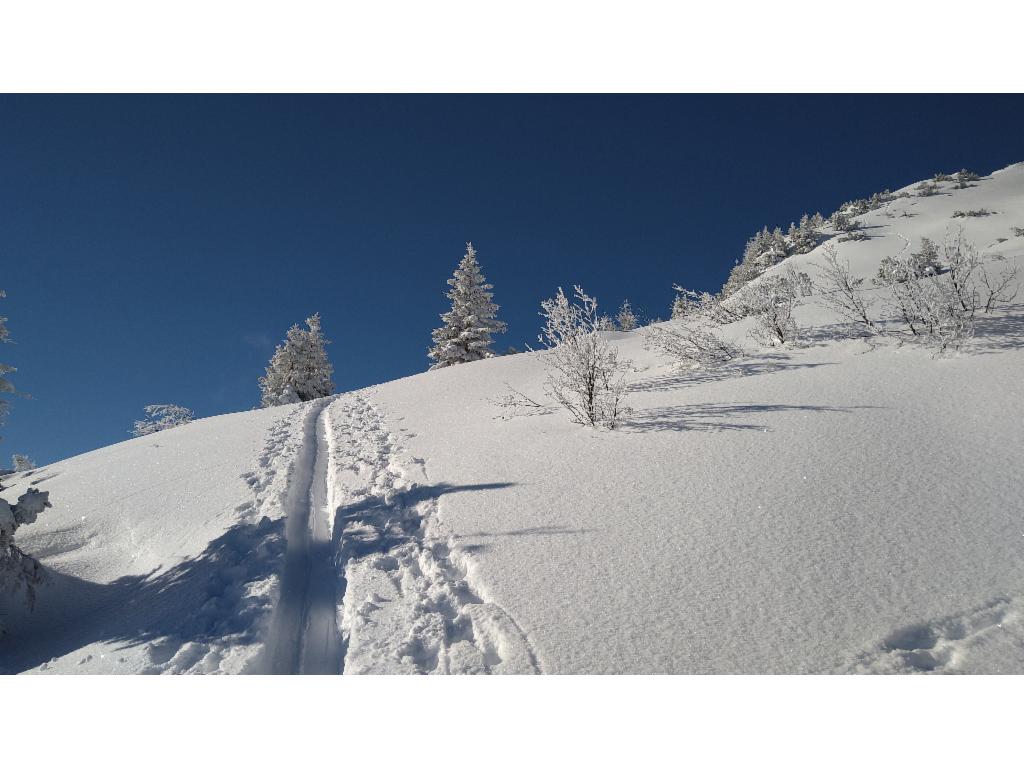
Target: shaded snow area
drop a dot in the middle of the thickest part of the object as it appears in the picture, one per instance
(841, 504)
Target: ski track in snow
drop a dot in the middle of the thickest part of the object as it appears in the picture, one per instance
(303, 634)
(408, 605)
(986, 639)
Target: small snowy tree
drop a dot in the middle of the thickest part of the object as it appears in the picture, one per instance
(584, 373)
(300, 369)
(161, 417)
(626, 319)
(465, 335)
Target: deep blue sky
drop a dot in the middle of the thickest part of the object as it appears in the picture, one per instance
(154, 249)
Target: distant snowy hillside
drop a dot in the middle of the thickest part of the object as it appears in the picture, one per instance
(839, 505)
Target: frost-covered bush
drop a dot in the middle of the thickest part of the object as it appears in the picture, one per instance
(941, 177)
(842, 292)
(584, 373)
(771, 300)
(805, 283)
(927, 189)
(161, 417)
(963, 177)
(626, 319)
(300, 369)
(972, 214)
(692, 345)
(19, 571)
(22, 463)
(940, 308)
(466, 330)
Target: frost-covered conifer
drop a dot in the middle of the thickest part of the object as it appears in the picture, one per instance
(465, 335)
(300, 369)
(626, 318)
(161, 417)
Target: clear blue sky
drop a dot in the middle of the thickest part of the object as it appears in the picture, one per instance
(154, 249)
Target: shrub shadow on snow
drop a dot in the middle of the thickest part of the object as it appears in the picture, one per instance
(715, 417)
(681, 379)
(200, 600)
(998, 333)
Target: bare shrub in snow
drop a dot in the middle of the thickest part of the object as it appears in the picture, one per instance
(927, 189)
(466, 330)
(999, 289)
(693, 345)
(1017, 231)
(842, 292)
(941, 177)
(22, 463)
(299, 370)
(584, 373)
(771, 301)
(161, 417)
(972, 214)
(626, 319)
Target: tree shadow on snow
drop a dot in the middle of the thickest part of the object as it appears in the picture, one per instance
(202, 598)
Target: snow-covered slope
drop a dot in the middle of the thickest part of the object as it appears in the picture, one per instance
(830, 507)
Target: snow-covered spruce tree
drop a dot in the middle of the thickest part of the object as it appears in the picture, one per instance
(300, 369)
(465, 335)
(626, 318)
(584, 373)
(161, 417)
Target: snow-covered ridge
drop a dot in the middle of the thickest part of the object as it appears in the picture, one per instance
(828, 506)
